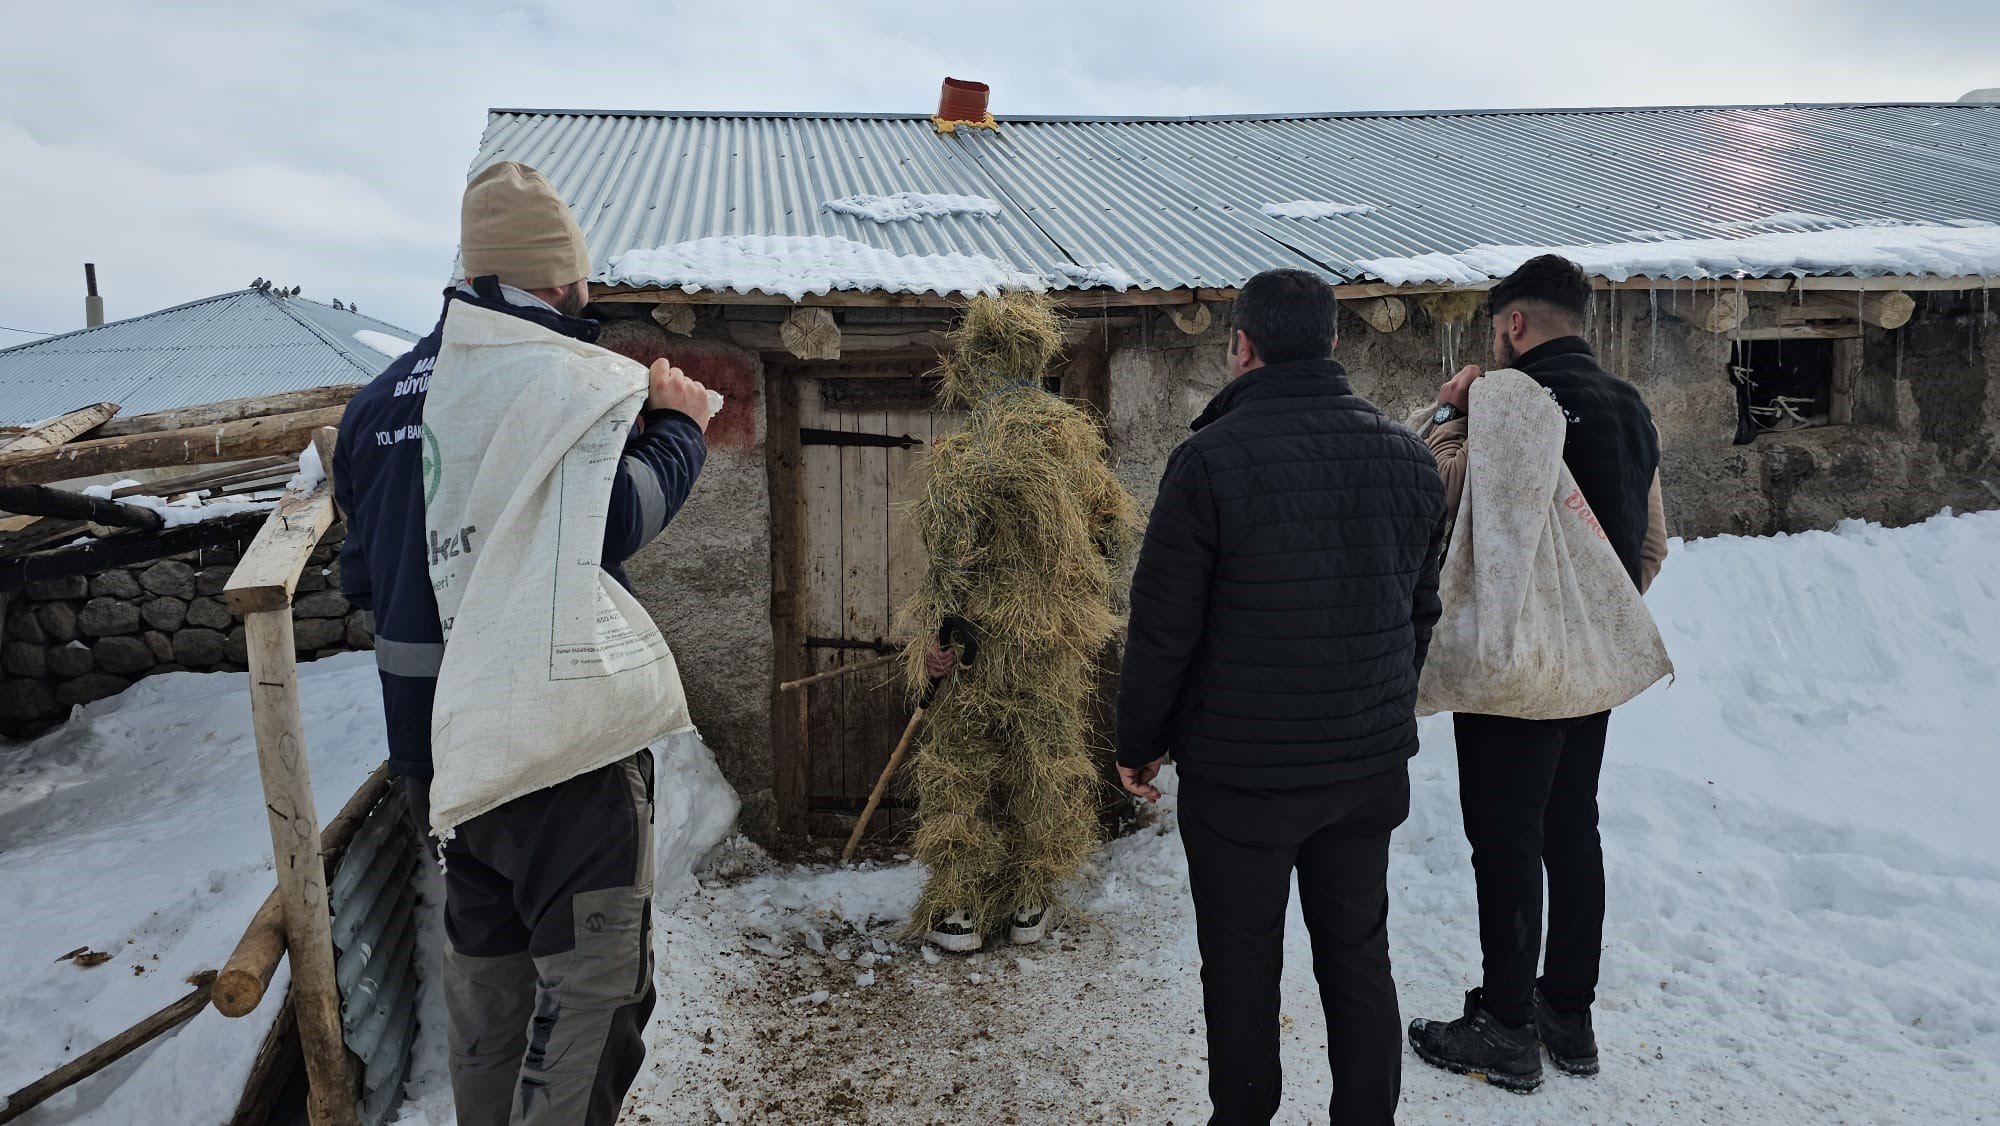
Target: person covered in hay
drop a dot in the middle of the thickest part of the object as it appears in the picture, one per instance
(1029, 537)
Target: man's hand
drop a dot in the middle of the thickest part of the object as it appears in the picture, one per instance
(671, 389)
(1138, 780)
(1457, 391)
(940, 662)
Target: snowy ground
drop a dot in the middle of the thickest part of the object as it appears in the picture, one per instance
(1805, 890)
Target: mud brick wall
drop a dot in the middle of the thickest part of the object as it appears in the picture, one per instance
(70, 641)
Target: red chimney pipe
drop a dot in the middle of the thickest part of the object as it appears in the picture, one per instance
(963, 100)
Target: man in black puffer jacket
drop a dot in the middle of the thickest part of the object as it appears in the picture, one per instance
(1280, 615)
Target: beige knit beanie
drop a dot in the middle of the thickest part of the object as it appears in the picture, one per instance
(513, 224)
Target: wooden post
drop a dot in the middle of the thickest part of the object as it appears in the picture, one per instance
(261, 590)
(784, 462)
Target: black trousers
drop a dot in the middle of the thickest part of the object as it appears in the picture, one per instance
(1528, 790)
(1242, 848)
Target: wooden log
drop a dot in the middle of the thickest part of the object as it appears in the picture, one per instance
(269, 572)
(240, 987)
(811, 333)
(295, 843)
(784, 469)
(1890, 309)
(205, 445)
(61, 429)
(1383, 314)
(1192, 319)
(124, 550)
(677, 319)
(844, 670)
(40, 500)
(230, 410)
(109, 1052)
(204, 479)
(1711, 311)
(1799, 332)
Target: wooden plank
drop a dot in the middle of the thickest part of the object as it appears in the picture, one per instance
(1846, 375)
(230, 410)
(822, 603)
(239, 988)
(205, 445)
(269, 572)
(1881, 308)
(109, 1052)
(864, 560)
(124, 550)
(40, 500)
(1799, 332)
(784, 470)
(295, 844)
(62, 429)
(1928, 284)
(206, 478)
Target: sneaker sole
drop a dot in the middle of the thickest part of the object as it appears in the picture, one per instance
(1584, 1067)
(1028, 936)
(1520, 1085)
(955, 943)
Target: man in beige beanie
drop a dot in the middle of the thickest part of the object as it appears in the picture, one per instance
(548, 968)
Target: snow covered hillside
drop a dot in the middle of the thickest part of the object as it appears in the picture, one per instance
(1804, 877)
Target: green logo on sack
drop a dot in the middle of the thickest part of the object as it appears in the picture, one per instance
(433, 465)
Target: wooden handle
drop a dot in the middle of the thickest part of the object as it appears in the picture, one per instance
(109, 1052)
(881, 787)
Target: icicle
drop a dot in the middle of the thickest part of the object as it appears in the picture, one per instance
(1652, 324)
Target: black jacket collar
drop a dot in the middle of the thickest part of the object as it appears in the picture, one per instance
(488, 296)
(1288, 380)
(1550, 349)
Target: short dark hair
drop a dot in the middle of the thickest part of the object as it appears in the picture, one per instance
(1287, 314)
(1549, 279)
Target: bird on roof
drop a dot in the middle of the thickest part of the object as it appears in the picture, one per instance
(338, 305)
(258, 284)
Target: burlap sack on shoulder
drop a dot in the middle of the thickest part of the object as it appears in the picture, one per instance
(551, 668)
(1541, 620)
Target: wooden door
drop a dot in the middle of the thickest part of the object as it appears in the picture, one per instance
(863, 445)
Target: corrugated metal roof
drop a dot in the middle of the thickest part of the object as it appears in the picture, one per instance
(250, 342)
(374, 905)
(1177, 202)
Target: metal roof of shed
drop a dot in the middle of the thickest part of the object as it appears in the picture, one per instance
(250, 342)
(1177, 202)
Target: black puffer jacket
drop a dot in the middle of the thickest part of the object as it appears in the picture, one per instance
(1286, 590)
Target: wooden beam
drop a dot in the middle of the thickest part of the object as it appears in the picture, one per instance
(205, 479)
(109, 1052)
(239, 988)
(61, 429)
(230, 410)
(269, 572)
(811, 333)
(202, 445)
(1718, 311)
(1192, 319)
(784, 467)
(124, 550)
(1383, 314)
(40, 500)
(1799, 332)
(1883, 308)
(1927, 284)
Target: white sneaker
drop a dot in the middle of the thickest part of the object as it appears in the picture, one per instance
(1030, 924)
(954, 933)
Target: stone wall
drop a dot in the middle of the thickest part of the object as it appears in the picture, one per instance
(1926, 435)
(70, 641)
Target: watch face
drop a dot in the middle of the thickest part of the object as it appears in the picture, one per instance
(1445, 413)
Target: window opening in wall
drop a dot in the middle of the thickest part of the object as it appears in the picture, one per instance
(1781, 385)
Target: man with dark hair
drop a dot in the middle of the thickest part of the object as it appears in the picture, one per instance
(1281, 611)
(1528, 788)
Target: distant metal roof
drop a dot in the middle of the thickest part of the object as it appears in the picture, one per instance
(1178, 202)
(250, 342)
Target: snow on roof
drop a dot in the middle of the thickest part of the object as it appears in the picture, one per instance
(1314, 209)
(801, 264)
(905, 206)
(1948, 251)
(391, 346)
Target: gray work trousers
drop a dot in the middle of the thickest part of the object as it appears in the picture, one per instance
(548, 967)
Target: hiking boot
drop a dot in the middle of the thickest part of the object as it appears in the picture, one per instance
(1478, 1045)
(954, 932)
(1568, 1037)
(1029, 925)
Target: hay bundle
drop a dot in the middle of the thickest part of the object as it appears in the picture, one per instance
(1028, 535)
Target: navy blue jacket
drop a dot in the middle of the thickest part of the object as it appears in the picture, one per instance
(378, 482)
(1286, 591)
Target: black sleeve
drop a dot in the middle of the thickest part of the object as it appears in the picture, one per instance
(653, 480)
(355, 584)
(1426, 607)
(1169, 609)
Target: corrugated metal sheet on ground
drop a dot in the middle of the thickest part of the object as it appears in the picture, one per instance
(1178, 202)
(375, 939)
(231, 346)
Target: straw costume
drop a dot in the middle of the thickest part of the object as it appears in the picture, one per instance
(1029, 538)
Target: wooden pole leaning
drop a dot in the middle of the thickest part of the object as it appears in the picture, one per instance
(261, 591)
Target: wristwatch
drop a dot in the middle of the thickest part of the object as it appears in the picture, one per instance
(1446, 413)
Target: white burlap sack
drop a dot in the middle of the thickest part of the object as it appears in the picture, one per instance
(1541, 620)
(551, 668)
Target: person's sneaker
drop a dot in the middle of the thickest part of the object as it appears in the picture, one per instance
(1029, 925)
(1478, 1045)
(954, 933)
(1568, 1037)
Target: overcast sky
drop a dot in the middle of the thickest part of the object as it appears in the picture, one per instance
(189, 147)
